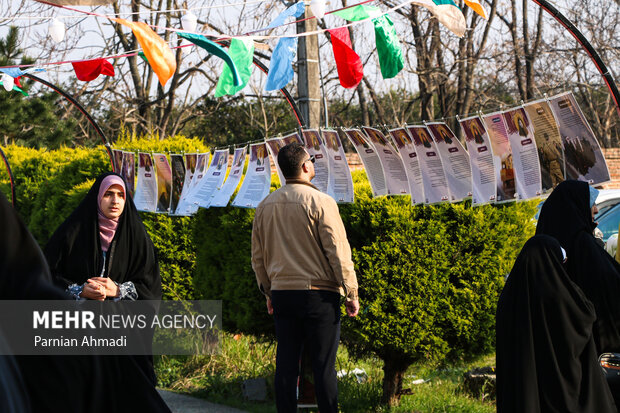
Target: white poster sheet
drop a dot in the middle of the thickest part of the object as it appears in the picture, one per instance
(222, 195)
(433, 175)
(315, 147)
(340, 181)
(146, 190)
(481, 158)
(393, 169)
(454, 159)
(406, 149)
(524, 152)
(128, 171)
(584, 159)
(275, 144)
(213, 179)
(502, 157)
(257, 181)
(370, 159)
(164, 182)
(548, 143)
(178, 178)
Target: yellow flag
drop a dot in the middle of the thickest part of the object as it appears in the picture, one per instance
(156, 50)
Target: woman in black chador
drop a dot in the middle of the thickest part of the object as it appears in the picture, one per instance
(546, 354)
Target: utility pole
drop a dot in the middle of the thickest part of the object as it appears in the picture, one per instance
(308, 86)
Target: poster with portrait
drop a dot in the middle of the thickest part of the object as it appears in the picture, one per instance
(178, 178)
(548, 144)
(393, 168)
(524, 153)
(433, 175)
(502, 157)
(370, 159)
(117, 156)
(164, 182)
(275, 144)
(582, 152)
(481, 158)
(257, 181)
(128, 171)
(454, 159)
(146, 190)
(213, 179)
(315, 147)
(340, 181)
(406, 148)
(222, 195)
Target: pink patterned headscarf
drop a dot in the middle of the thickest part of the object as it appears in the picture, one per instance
(107, 226)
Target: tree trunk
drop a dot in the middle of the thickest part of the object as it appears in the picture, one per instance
(393, 373)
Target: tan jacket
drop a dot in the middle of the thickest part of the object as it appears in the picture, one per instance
(299, 242)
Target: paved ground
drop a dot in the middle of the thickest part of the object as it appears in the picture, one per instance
(180, 403)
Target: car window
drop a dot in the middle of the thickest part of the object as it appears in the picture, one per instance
(606, 206)
(608, 223)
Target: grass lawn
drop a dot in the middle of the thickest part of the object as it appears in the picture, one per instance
(218, 378)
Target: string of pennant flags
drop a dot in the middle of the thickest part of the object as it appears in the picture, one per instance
(238, 58)
(511, 155)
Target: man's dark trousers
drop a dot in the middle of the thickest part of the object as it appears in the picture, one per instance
(309, 318)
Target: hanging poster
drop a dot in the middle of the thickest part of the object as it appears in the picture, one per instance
(178, 177)
(146, 191)
(406, 149)
(222, 195)
(117, 154)
(128, 171)
(370, 159)
(433, 175)
(502, 157)
(164, 182)
(257, 181)
(315, 147)
(584, 159)
(213, 179)
(481, 158)
(393, 169)
(275, 144)
(340, 181)
(454, 159)
(548, 143)
(524, 152)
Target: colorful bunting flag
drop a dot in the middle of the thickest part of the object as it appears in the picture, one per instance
(16, 72)
(241, 52)
(16, 89)
(281, 65)
(389, 49)
(157, 51)
(216, 50)
(478, 8)
(295, 10)
(448, 14)
(348, 63)
(91, 69)
(357, 13)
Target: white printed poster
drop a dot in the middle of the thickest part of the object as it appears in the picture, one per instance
(370, 159)
(222, 195)
(164, 182)
(340, 181)
(433, 175)
(257, 181)
(524, 152)
(584, 159)
(315, 147)
(213, 179)
(178, 178)
(146, 190)
(393, 168)
(128, 171)
(454, 159)
(548, 144)
(406, 149)
(502, 157)
(481, 159)
(275, 144)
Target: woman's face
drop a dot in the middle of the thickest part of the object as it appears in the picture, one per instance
(113, 202)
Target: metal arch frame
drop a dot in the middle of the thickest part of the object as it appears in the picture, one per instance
(598, 62)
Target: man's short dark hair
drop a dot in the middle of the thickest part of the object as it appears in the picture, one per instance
(290, 159)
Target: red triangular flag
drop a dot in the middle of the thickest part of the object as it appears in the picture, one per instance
(89, 69)
(348, 63)
(17, 82)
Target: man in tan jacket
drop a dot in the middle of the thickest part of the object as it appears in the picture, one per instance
(302, 260)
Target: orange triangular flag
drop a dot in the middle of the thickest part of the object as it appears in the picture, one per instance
(156, 50)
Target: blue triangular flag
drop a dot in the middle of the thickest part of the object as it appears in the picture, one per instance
(281, 65)
(296, 10)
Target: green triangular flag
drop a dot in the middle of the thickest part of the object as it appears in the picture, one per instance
(143, 56)
(358, 13)
(215, 49)
(388, 47)
(16, 89)
(241, 52)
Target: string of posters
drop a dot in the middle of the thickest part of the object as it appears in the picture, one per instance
(516, 154)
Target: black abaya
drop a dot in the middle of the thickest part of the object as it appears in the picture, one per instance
(546, 354)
